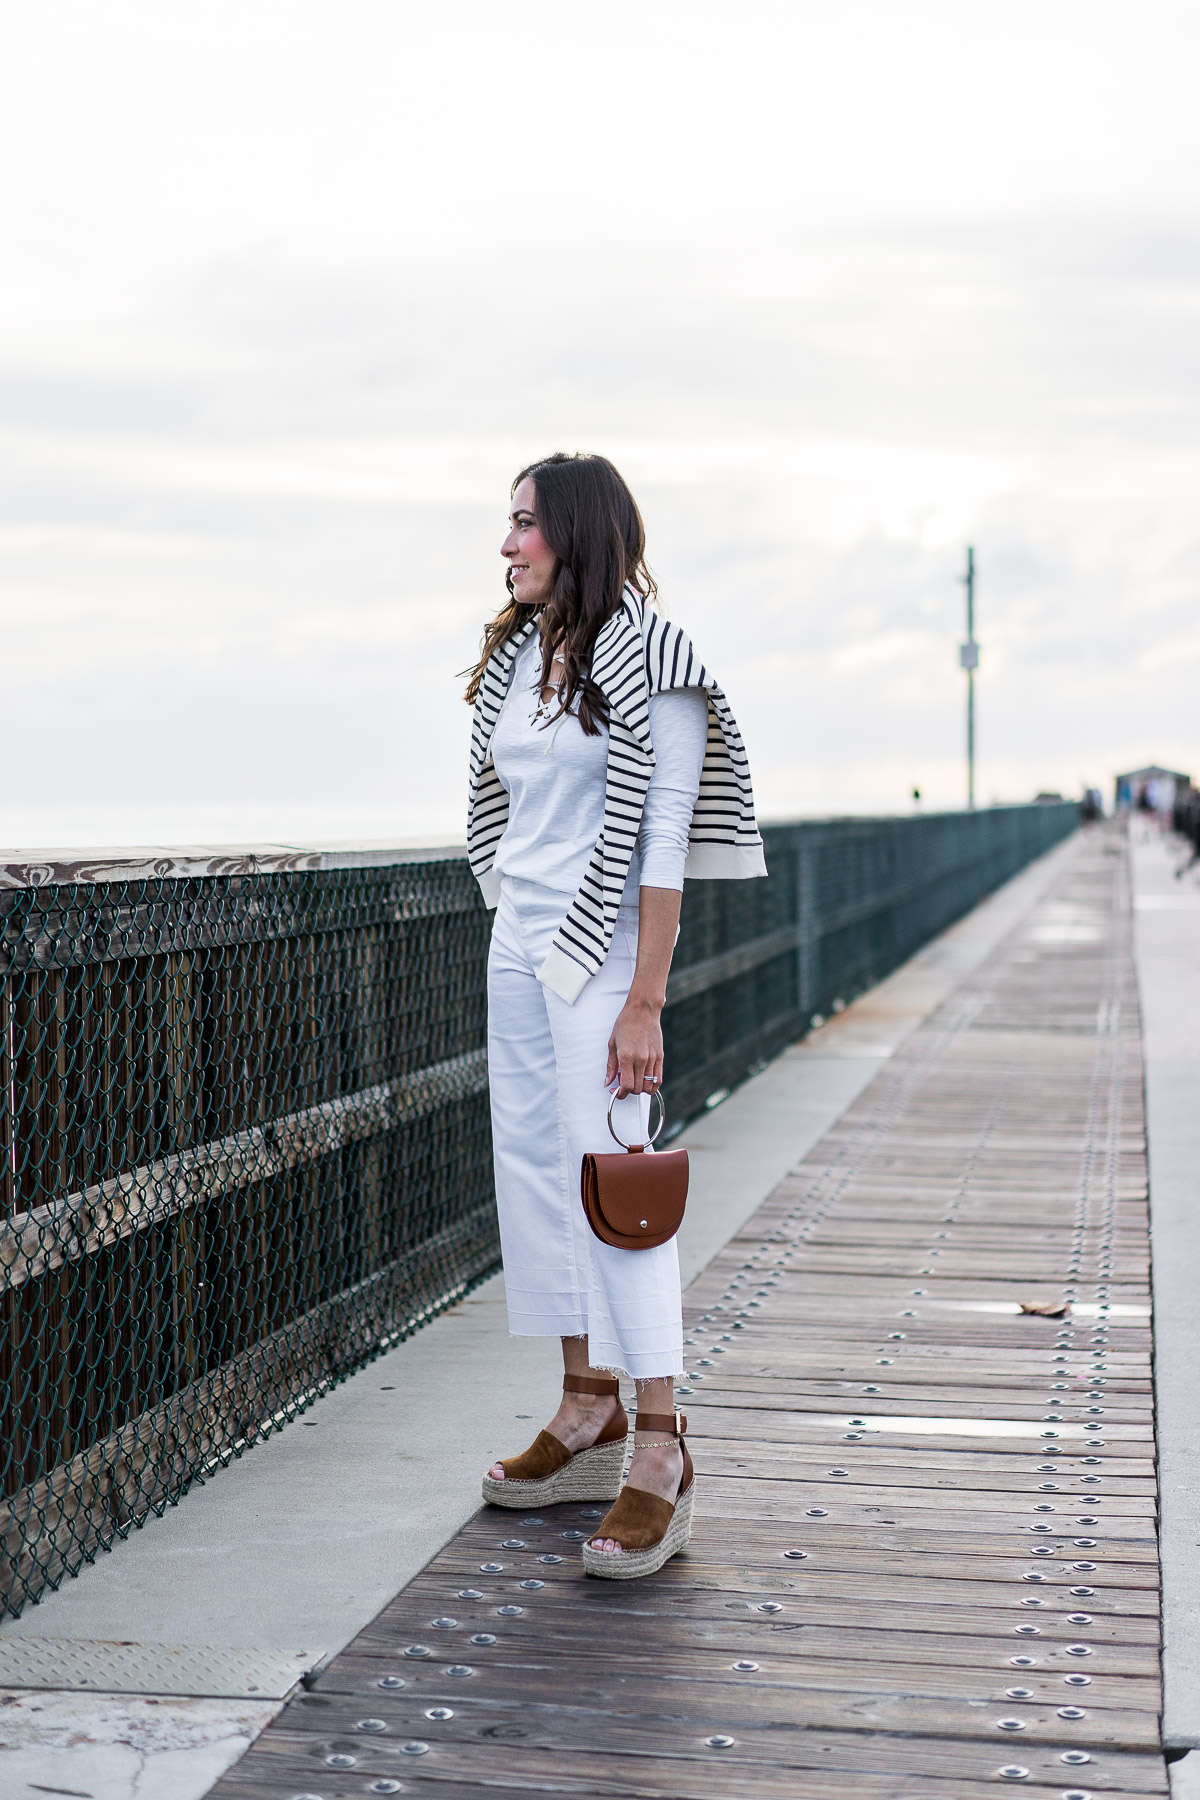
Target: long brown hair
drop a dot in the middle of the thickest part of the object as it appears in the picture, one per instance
(591, 522)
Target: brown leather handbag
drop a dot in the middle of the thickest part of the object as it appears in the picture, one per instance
(634, 1201)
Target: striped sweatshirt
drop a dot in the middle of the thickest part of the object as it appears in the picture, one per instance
(637, 654)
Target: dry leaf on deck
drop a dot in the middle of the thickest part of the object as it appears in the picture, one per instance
(1046, 1309)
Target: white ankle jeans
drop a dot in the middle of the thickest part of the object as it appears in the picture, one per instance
(546, 1064)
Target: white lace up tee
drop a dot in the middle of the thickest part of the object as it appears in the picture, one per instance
(555, 777)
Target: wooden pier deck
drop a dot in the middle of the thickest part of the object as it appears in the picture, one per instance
(924, 1565)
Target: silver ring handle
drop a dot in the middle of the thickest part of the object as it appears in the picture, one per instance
(662, 1119)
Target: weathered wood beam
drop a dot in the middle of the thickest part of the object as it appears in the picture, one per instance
(83, 1223)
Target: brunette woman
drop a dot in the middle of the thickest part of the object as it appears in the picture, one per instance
(606, 765)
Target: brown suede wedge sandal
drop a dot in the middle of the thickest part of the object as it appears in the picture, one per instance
(548, 1472)
(648, 1528)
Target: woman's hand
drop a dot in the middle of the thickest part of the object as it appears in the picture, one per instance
(635, 1049)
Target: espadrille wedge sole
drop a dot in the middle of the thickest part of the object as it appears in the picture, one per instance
(593, 1474)
(548, 1472)
(648, 1528)
(628, 1565)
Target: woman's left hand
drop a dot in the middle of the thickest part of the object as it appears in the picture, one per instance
(635, 1049)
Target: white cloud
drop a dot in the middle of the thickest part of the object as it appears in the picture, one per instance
(286, 297)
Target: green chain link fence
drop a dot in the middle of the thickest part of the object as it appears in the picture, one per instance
(244, 1139)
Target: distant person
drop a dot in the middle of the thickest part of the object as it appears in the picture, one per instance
(1186, 821)
(605, 766)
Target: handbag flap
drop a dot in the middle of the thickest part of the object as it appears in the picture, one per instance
(642, 1195)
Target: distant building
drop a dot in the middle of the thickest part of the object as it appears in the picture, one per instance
(1150, 790)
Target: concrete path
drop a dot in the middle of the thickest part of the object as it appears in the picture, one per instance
(292, 1550)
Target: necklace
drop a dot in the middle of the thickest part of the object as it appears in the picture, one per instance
(544, 706)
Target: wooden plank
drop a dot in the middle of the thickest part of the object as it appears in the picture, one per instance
(746, 1704)
(282, 1762)
(533, 1750)
(361, 1668)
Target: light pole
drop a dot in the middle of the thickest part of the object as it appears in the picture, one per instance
(968, 656)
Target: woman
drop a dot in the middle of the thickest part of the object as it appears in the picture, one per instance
(605, 765)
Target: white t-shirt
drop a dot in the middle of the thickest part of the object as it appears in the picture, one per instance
(554, 775)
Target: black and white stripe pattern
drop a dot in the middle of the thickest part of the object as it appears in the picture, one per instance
(637, 654)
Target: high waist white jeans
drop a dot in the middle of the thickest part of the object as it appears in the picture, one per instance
(547, 1064)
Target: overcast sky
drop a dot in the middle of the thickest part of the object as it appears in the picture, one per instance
(289, 291)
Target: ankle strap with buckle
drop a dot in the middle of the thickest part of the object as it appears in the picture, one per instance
(590, 1384)
(674, 1424)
